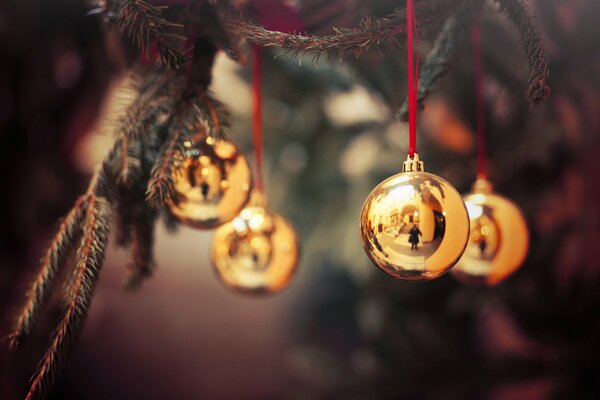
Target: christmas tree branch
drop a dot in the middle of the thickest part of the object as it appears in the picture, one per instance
(145, 26)
(449, 41)
(160, 186)
(142, 263)
(90, 256)
(516, 11)
(154, 99)
(55, 256)
(200, 115)
(369, 32)
(218, 115)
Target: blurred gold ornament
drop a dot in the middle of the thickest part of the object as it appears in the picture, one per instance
(499, 237)
(212, 184)
(414, 225)
(257, 252)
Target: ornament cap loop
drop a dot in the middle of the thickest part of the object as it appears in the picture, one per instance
(413, 164)
(258, 199)
(482, 185)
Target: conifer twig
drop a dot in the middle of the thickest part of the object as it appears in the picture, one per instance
(192, 121)
(54, 258)
(538, 89)
(370, 31)
(449, 41)
(142, 264)
(90, 256)
(144, 24)
(160, 186)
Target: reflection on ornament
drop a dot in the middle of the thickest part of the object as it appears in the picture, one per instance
(499, 238)
(257, 252)
(414, 225)
(212, 184)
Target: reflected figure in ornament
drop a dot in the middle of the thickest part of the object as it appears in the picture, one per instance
(252, 251)
(483, 245)
(413, 238)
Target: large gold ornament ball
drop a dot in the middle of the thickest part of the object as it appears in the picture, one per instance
(257, 252)
(414, 225)
(499, 238)
(212, 184)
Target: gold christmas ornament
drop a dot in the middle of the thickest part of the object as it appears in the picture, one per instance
(257, 252)
(212, 184)
(414, 225)
(499, 237)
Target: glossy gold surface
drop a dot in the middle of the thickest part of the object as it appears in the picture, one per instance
(414, 226)
(499, 238)
(257, 252)
(212, 184)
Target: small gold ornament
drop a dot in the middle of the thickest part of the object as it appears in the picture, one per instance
(414, 225)
(499, 237)
(257, 252)
(212, 184)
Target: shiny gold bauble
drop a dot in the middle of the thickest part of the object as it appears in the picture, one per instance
(499, 238)
(414, 225)
(212, 184)
(257, 252)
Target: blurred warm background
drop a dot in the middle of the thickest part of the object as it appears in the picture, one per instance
(343, 329)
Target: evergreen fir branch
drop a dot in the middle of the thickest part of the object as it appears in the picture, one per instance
(130, 162)
(191, 121)
(160, 186)
(90, 256)
(538, 89)
(154, 100)
(142, 264)
(449, 41)
(144, 24)
(54, 258)
(170, 222)
(215, 112)
(370, 31)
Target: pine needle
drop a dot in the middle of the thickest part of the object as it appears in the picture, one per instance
(54, 258)
(538, 89)
(369, 32)
(449, 41)
(144, 24)
(142, 264)
(78, 296)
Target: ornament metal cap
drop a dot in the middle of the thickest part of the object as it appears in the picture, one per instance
(413, 164)
(482, 185)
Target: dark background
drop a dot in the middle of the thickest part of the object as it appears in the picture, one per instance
(343, 329)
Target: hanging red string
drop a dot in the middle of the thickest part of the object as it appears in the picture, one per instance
(479, 105)
(413, 75)
(257, 117)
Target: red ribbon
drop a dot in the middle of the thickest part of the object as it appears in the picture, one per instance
(257, 135)
(413, 76)
(479, 104)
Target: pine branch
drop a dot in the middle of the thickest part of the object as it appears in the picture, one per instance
(516, 11)
(156, 97)
(192, 121)
(142, 264)
(449, 41)
(55, 256)
(144, 24)
(90, 256)
(215, 113)
(370, 31)
(160, 186)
